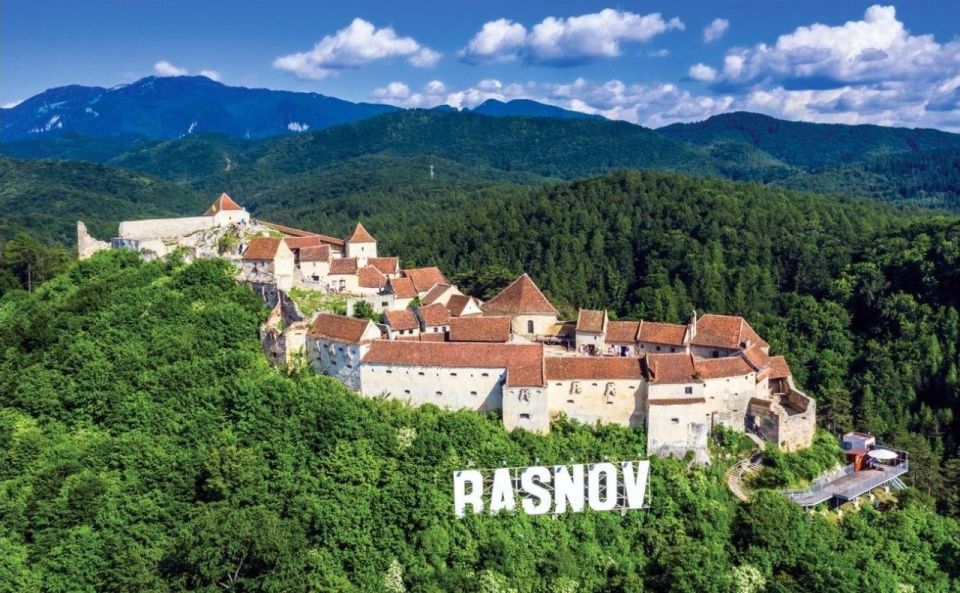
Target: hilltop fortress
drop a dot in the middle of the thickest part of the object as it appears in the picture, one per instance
(510, 355)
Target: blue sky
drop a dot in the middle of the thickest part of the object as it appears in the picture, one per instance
(648, 62)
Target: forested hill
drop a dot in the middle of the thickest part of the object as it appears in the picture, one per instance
(145, 445)
(809, 145)
(45, 198)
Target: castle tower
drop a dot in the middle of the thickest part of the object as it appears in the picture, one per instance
(361, 245)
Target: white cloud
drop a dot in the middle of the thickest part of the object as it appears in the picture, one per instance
(353, 46)
(165, 68)
(297, 127)
(702, 73)
(435, 87)
(393, 91)
(715, 30)
(497, 41)
(565, 41)
(660, 53)
(12, 104)
(873, 50)
(211, 74)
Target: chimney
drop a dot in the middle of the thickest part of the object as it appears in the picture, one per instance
(692, 326)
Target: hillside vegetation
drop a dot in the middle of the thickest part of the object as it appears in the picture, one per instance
(145, 445)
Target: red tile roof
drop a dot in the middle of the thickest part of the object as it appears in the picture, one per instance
(370, 277)
(521, 297)
(432, 337)
(607, 368)
(339, 328)
(292, 232)
(457, 303)
(592, 321)
(386, 265)
(670, 334)
(224, 202)
(402, 320)
(779, 369)
(724, 331)
(262, 248)
(727, 366)
(480, 329)
(425, 278)
(321, 253)
(434, 315)
(343, 265)
(402, 288)
(671, 368)
(360, 235)
(757, 358)
(622, 331)
(434, 293)
(523, 362)
(301, 242)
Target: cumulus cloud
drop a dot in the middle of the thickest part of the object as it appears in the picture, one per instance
(165, 68)
(353, 46)
(872, 70)
(876, 49)
(660, 53)
(715, 30)
(211, 74)
(394, 91)
(497, 41)
(565, 41)
(702, 73)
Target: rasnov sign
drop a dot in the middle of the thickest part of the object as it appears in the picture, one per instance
(558, 489)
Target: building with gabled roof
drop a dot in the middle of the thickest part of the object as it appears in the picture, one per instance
(268, 260)
(388, 266)
(336, 345)
(530, 311)
(402, 324)
(461, 305)
(425, 278)
(361, 245)
(434, 319)
(591, 331)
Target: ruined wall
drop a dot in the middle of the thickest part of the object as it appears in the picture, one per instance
(336, 359)
(86, 244)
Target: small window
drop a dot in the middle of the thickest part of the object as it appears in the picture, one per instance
(453, 374)
(473, 393)
(716, 354)
(570, 401)
(420, 373)
(484, 374)
(525, 416)
(389, 372)
(675, 420)
(594, 384)
(530, 326)
(658, 348)
(688, 390)
(383, 304)
(439, 393)
(407, 391)
(673, 349)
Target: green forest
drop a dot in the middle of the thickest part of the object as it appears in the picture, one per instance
(146, 445)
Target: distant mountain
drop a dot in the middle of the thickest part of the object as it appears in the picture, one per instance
(172, 107)
(528, 108)
(809, 145)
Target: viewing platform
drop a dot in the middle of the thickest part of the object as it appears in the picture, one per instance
(874, 466)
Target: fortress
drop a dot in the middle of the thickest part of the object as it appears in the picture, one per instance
(511, 355)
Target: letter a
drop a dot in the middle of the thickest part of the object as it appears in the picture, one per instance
(502, 498)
